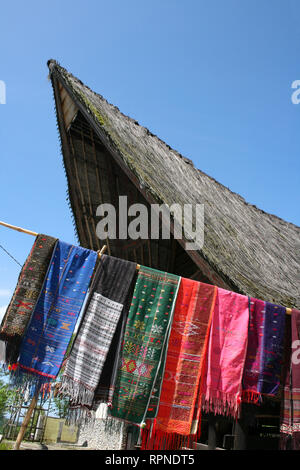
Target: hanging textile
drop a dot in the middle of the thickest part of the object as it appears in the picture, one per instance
(52, 324)
(290, 412)
(122, 292)
(179, 410)
(222, 386)
(265, 350)
(94, 339)
(147, 329)
(29, 285)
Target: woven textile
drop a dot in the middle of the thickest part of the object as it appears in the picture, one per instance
(273, 349)
(290, 413)
(49, 331)
(222, 386)
(96, 332)
(265, 350)
(179, 409)
(146, 331)
(89, 351)
(115, 280)
(25, 296)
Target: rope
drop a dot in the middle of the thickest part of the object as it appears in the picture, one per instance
(10, 255)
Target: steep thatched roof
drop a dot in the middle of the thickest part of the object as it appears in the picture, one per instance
(254, 252)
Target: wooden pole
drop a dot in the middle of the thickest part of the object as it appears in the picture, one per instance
(212, 432)
(241, 430)
(26, 421)
(19, 229)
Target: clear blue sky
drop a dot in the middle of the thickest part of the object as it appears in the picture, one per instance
(210, 77)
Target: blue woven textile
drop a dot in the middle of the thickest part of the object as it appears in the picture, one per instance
(53, 321)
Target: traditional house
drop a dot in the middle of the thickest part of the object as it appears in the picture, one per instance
(107, 154)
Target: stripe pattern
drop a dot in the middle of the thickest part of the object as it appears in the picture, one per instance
(95, 352)
(90, 349)
(265, 350)
(290, 410)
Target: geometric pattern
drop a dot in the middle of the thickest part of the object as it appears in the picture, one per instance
(145, 338)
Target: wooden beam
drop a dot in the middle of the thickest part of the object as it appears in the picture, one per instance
(18, 229)
(66, 158)
(212, 432)
(241, 431)
(25, 422)
(77, 181)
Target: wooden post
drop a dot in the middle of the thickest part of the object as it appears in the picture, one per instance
(212, 432)
(241, 431)
(25, 422)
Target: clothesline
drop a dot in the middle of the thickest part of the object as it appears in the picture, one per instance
(99, 252)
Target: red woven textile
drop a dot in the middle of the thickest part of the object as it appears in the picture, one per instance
(179, 408)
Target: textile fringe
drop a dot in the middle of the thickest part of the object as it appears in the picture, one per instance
(77, 392)
(159, 440)
(80, 415)
(28, 383)
(83, 416)
(249, 396)
(113, 425)
(222, 403)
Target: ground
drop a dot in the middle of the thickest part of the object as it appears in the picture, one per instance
(8, 445)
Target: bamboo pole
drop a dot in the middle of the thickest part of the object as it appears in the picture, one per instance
(19, 229)
(26, 421)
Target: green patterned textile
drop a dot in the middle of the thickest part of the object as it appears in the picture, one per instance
(145, 338)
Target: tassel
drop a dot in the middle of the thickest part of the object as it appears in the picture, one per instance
(28, 382)
(154, 439)
(76, 391)
(221, 403)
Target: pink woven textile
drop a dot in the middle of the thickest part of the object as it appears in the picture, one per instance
(222, 386)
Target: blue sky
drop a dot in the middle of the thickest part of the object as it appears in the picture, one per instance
(212, 78)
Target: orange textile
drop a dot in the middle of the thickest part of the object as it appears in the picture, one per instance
(179, 408)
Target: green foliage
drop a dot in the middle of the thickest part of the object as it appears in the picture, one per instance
(5, 446)
(61, 406)
(7, 397)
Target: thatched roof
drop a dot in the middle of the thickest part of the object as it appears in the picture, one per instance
(253, 252)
